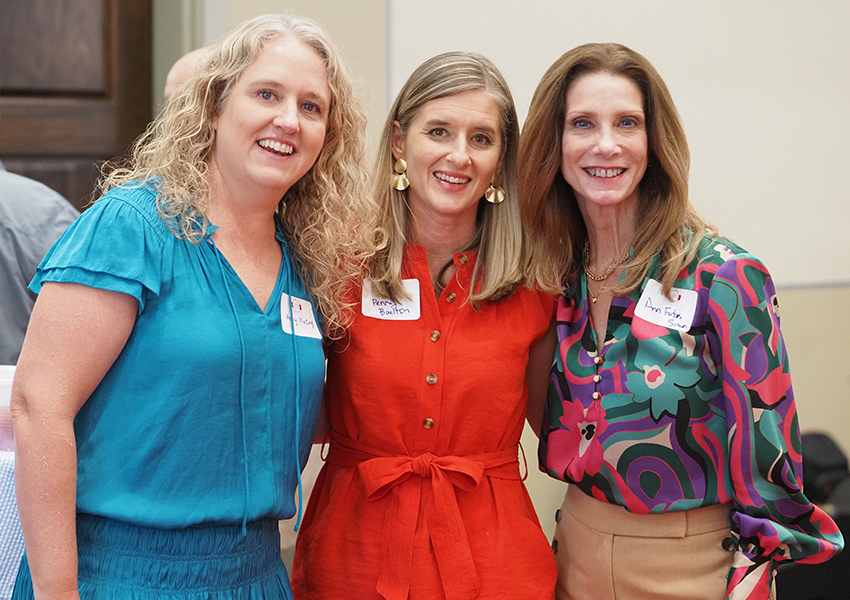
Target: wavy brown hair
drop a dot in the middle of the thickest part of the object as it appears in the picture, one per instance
(667, 221)
(499, 267)
(325, 215)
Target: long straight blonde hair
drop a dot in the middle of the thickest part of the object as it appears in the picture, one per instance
(667, 221)
(499, 267)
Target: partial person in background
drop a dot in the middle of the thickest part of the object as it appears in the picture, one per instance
(32, 217)
(182, 69)
(670, 409)
(422, 494)
(169, 386)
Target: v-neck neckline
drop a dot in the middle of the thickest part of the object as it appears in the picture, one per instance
(276, 290)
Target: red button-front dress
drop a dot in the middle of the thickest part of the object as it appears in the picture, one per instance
(422, 496)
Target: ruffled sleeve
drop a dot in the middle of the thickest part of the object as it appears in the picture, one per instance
(773, 521)
(119, 244)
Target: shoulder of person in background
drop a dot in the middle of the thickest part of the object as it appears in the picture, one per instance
(32, 217)
(33, 209)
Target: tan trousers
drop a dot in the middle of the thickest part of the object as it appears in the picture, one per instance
(607, 553)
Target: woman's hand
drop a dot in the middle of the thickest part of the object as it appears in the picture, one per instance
(75, 334)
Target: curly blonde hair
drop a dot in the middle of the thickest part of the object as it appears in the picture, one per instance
(499, 267)
(667, 221)
(326, 216)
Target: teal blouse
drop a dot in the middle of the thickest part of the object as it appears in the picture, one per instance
(208, 413)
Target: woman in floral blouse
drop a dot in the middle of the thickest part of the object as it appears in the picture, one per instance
(670, 408)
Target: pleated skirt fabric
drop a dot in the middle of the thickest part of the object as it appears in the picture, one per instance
(121, 561)
(607, 553)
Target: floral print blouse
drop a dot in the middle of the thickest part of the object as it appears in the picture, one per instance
(688, 404)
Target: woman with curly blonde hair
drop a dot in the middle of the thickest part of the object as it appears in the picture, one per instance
(168, 390)
(317, 211)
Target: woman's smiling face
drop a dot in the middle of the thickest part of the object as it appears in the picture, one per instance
(452, 148)
(272, 125)
(604, 145)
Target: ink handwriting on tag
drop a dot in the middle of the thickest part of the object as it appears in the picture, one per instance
(658, 309)
(388, 310)
(304, 317)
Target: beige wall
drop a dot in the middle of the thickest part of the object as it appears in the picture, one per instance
(815, 321)
(816, 325)
(178, 27)
(167, 46)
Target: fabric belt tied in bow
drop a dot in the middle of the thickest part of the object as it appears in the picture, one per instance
(384, 474)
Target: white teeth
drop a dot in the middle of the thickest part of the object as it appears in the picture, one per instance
(604, 172)
(276, 146)
(451, 179)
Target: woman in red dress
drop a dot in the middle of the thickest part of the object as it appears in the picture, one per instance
(422, 495)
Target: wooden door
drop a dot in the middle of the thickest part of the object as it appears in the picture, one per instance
(75, 87)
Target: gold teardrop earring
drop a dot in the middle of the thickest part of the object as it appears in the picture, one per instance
(399, 179)
(495, 193)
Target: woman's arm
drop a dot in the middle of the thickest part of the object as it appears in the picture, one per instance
(539, 365)
(74, 336)
(773, 520)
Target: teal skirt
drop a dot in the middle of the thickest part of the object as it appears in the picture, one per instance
(120, 561)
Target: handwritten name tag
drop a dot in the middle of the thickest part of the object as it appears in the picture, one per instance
(383, 308)
(656, 308)
(301, 314)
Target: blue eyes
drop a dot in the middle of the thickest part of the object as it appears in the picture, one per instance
(628, 122)
(309, 107)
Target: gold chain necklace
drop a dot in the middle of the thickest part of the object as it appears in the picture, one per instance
(610, 270)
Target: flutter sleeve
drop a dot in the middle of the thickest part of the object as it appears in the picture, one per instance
(773, 521)
(118, 245)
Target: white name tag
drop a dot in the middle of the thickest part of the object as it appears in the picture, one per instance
(656, 308)
(383, 308)
(305, 318)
